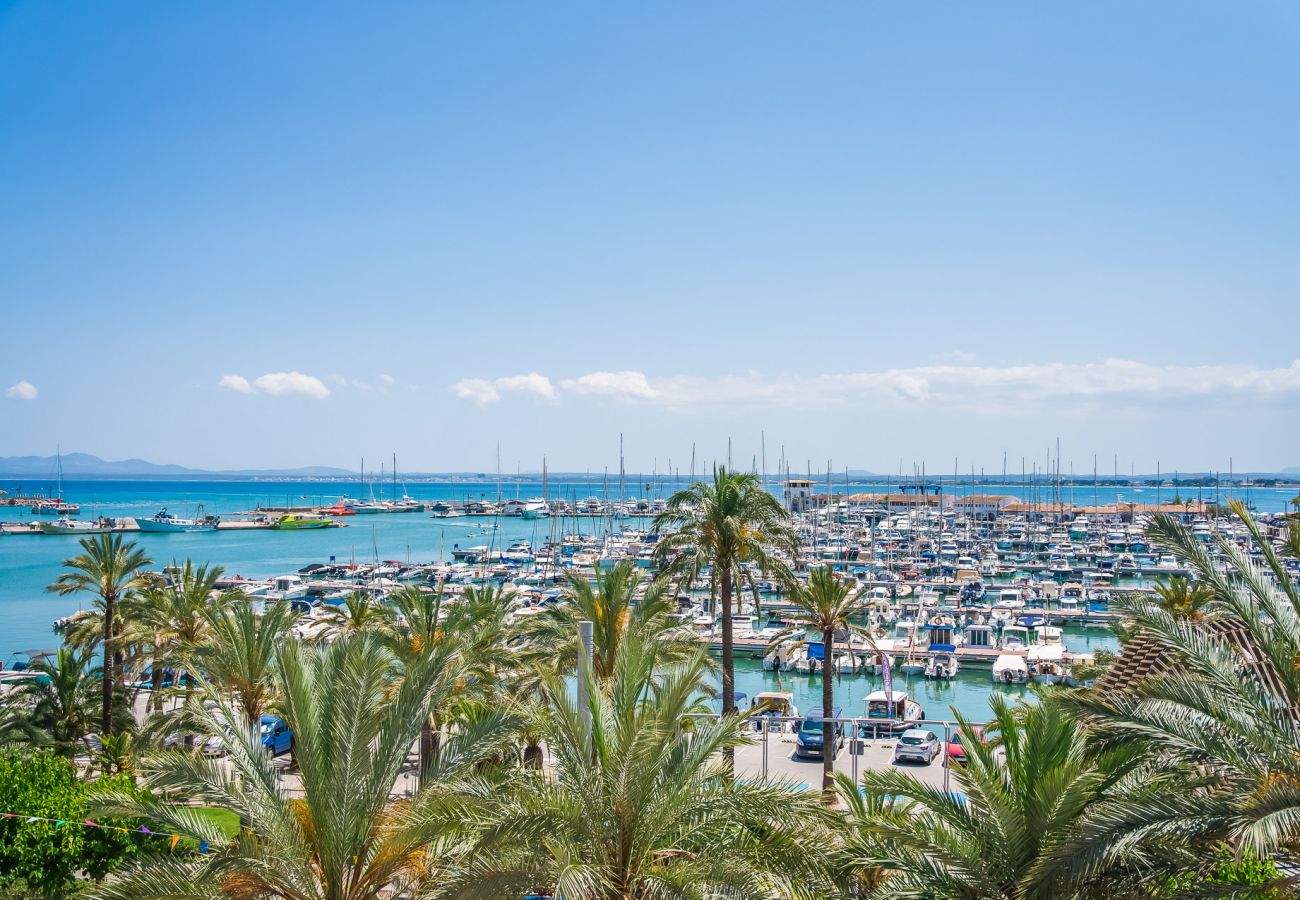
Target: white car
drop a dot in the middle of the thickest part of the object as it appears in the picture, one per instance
(214, 745)
(917, 745)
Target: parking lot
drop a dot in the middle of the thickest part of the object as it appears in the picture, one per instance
(777, 761)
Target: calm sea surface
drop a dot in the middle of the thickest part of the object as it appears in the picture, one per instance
(29, 563)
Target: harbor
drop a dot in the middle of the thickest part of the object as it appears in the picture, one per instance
(985, 560)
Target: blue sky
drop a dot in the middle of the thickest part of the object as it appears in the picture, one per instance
(239, 235)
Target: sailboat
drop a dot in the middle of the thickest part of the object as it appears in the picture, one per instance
(407, 503)
(56, 506)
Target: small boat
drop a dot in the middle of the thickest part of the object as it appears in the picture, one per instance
(164, 521)
(778, 705)
(943, 661)
(300, 522)
(894, 712)
(64, 525)
(1047, 664)
(1010, 668)
(55, 508)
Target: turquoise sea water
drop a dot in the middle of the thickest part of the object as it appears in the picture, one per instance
(29, 563)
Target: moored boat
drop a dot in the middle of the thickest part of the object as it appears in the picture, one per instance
(64, 525)
(163, 521)
(299, 522)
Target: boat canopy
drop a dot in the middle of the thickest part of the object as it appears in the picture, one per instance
(943, 648)
(816, 650)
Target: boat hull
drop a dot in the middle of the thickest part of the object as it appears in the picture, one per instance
(55, 528)
(173, 527)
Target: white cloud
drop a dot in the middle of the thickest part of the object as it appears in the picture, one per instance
(277, 384)
(476, 390)
(1011, 388)
(283, 384)
(532, 383)
(612, 384)
(23, 390)
(481, 392)
(1007, 387)
(236, 383)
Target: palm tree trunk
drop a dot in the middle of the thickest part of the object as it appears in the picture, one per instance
(155, 684)
(828, 706)
(728, 658)
(426, 748)
(106, 717)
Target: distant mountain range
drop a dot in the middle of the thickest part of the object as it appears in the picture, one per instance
(87, 465)
(80, 465)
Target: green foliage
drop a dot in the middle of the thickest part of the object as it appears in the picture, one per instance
(1229, 870)
(40, 859)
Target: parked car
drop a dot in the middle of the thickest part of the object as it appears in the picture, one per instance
(917, 745)
(215, 745)
(277, 738)
(810, 741)
(956, 748)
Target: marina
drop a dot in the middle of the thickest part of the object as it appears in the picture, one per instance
(919, 561)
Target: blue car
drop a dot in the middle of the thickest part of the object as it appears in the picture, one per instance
(811, 739)
(276, 736)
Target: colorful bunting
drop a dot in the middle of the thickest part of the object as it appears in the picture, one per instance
(143, 829)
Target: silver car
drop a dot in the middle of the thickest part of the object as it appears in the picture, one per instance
(917, 745)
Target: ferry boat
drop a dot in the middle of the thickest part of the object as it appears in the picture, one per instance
(299, 522)
(166, 522)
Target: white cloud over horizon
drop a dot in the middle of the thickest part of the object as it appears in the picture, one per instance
(23, 390)
(990, 388)
(481, 391)
(276, 384)
(612, 384)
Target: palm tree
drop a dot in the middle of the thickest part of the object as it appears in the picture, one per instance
(611, 604)
(60, 702)
(722, 526)
(414, 634)
(480, 624)
(109, 567)
(172, 618)
(826, 604)
(343, 838)
(360, 612)
(1181, 597)
(1026, 791)
(637, 804)
(1224, 710)
(240, 651)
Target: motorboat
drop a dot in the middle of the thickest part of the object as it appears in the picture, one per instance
(64, 525)
(163, 521)
(1010, 668)
(942, 662)
(1046, 663)
(1015, 637)
(781, 657)
(893, 711)
(778, 705)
